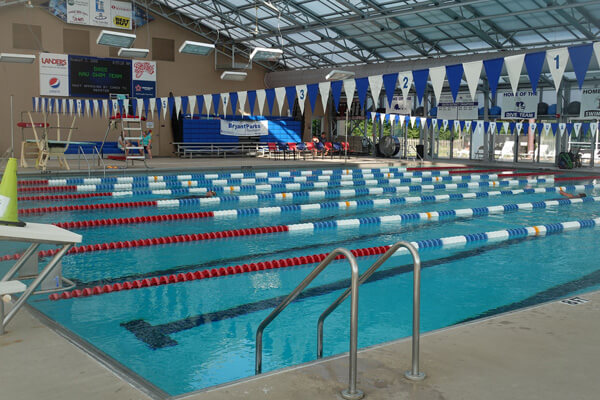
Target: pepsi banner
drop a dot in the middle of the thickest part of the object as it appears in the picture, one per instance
(54, 74)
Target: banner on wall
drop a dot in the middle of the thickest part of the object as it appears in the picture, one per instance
(522, 105)
(464, 108)
(78, 12)
(244, 128)
(590, 103)
(143, 79)
(399, 105)
(54, 74)
(99, 13)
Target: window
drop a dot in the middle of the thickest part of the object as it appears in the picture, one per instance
(163, 49)
(27, 36)
(76, 41)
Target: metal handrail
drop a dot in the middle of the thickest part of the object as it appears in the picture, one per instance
(351, 393)
(80, 153)
(100, 160)
(414, 373)
(416, 153)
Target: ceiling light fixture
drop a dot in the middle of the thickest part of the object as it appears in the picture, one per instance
(115, 39)
(197, 48)
(264, 54)
(337, 75)
(133, 53)
(233, 75)
(17, 58)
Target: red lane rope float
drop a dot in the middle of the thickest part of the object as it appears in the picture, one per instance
(134, 220)
(437, 168)
(64, 196)
(577, 178)
(33, 182)
(47, 188)
(80, 207)
(212, 273)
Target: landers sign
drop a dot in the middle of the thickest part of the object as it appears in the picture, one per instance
(54, 74)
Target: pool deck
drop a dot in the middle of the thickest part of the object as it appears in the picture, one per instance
(548, 352)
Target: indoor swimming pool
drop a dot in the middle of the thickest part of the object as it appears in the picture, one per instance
(173, 285)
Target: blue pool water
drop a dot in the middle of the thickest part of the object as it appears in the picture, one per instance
(191, 335)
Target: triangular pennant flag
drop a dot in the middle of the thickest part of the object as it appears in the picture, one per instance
(547, 127)
(362, 84)
(437, 76)
(577, 128)
(72, 106)
(519, 126)
(525, 128)
(301, 95)
(184, 104)
(406, 80)
(336, 93)
(375, 83)
(534, 63)
(493, 69)
(420, 80)
(290, 96)
(158, 107)
(479, 126)
(562, 127)
(200, 103)
(261, 95)
(514, 65)
(486, 127)
(207, 103)
(125, 110)
(533, 127)
(382, 117)
(324, 89)
(454, 74)
(270, 93)
(233, 99)
(499, 127)
(511, 127)
(44, 104)
(280, 95)
(554, 128)
(461, 123)
(152, 106)
(472, 73)
(251, 100)
(593, 128)
(585, 127)
(387, 118)
(349, 86)
(170, 104)
(313, 92)
(225, 100)
(242, 98)
(192, 103)
(34, 100)
(434, 123)
(580, 59)
(468, 126)
(164, 103)
(177, 101)
(456, 125)
(569, 127)
(146, 104)
(423, 121)
(389, 84)
(140, 107)
(597, 51)
(412, 121)
(401, 120)
(444, 124)
(505, 126)
(429, 123)
(96, 106)
(557, 62)
(373, 116)
(61, 105)
(216, 100)
(104, 107)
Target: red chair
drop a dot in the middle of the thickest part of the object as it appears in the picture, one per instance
(292, 148)
(310, 146)
(346, 147)
(328, 149)
(273, 150)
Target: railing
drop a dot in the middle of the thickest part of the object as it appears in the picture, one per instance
(351, 393)
(100, 160)
(410, 146)
(414, 373)
(80, 153)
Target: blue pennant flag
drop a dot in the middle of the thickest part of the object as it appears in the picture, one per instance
(119, 102)
(585, 127)
(158, 107)
(134, 106)
(417, 122)
(52, 105)
(184, 104)
(454, 75)
(171, 102)
(387, 117)
(313, 92)
(486, 126)
(420, 81)
(498, 127)
(100, 108)
(216, 99)
(59, 106)
(251, 100)
(440, 123)
(290, 95)
(493, 69)
(362, 84)
(450, 125)
(147, 106)
(33, 100)
(429, 123)
(233, 100)
(406, 120)
(569, 128)
(270, 94)
(554, 126)
(461, 123)
(525, 130)
(389, 83)
(91, 107)
(511, 127)
(46, 104)
(580, 59)
(534, 63)
(199, 103)
(336, 92)
(368, 115)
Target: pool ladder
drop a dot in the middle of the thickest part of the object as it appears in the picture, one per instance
(352, 393)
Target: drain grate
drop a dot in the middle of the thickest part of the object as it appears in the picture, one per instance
(574, 301)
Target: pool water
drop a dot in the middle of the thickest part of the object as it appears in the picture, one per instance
(192, 335)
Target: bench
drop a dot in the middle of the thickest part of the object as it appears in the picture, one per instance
(189, 150)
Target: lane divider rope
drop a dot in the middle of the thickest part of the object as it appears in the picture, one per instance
(445, 242)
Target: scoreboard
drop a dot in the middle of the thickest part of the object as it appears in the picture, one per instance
(98, 77)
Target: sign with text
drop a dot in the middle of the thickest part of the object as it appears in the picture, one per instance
(143, 78)
(54, 74)
(400, 105)
(464, 108)
(590, 104)
(104, 13)
(99, 77)
(244, 128)
(523, 105)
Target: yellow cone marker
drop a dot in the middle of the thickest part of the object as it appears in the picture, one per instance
(8, 195)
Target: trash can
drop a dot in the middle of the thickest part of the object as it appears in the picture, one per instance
(420, 151)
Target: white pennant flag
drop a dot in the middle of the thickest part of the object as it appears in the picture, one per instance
(382, 117)
(140, 107)
(301, 94)
(434, 123)
(207, 102)
(261, 95)
(375, 83)
(401, 119)
(324, 88)
(547, 126)
(152, 106)
(125, 107)
(280, 96)
(42, 106)
(577, 128)
(468, 125)
(533, 126)
(71, 106)
(412, 121)
(437, 75)
(164, 103)
(225, 100)
(96, 107)
(519, 126)
(423, 122)
(105, 109)
(242, 101)
(505, 126)
(492, 128)
(349, 87)
(192, 103)
(36, 104)
(514, 65)
(593, 128)
(457, 126)
(472, 73)
(177, 104)
(373, 115)
(444, 124)
(405, 80)
(557, 62)
(562, 127)
(479, 126)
